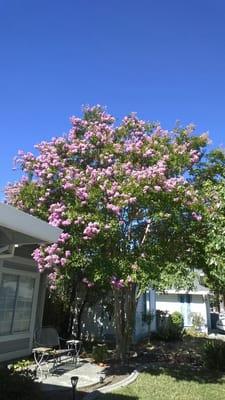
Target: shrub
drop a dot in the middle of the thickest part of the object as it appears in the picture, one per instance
(170, 327)
(197, 321)
(214, 354)
(176, 325)
(22, 367)
(99, 353)
(17, 386)
(194, 333)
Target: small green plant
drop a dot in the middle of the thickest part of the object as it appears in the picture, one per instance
(176, 325)
(99, 353)
(193, 332)
(214, 354)
(22, 367)
(170, 326)
(197, 321)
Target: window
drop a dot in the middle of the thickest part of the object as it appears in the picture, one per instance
(185, 298)
(16, 299)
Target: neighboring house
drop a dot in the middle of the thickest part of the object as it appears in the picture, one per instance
(193, 305)
(22, 287)
(98, 322)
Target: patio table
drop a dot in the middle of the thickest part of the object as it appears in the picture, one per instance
(75, 346)
(40, 354)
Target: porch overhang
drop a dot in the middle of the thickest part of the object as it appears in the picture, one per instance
(20, 228)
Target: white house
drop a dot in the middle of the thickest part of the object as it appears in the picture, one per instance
(191, 304)
(22, 287)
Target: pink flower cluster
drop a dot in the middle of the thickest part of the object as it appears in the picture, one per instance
(91, 230)
(196, 217)
(117, 283)
(57, 215)
(53, 256)
(113, 208)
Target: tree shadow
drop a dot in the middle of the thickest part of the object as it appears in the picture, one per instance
(114, 396)
(66, 394)
(186, 373)
(181, 360)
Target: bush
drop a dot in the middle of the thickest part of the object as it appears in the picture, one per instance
(170, 327)
(214, 354)
(197, 321)
(194, 333)
(99, 353)
(176, 325)
(17, 386)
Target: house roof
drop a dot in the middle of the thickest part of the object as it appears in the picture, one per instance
(18, 227)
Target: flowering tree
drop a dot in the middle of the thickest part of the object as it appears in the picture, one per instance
(123, 196)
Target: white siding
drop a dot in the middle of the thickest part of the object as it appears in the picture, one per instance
(168, 302)
(171, 303)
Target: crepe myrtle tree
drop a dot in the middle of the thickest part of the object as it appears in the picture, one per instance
(122, 194)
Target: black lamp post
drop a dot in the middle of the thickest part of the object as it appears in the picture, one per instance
(74, 380)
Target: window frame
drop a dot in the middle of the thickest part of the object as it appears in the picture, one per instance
(19, 272)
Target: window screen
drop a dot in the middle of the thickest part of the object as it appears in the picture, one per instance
(16, 299)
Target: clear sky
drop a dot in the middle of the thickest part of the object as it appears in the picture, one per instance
(164, 59)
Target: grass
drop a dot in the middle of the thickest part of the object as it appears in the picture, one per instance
(172, 384)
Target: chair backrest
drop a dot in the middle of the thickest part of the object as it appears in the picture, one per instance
(48, 337)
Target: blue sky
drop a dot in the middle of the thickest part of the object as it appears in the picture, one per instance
(164, 59)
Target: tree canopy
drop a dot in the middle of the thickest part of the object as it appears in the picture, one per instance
(120, 193)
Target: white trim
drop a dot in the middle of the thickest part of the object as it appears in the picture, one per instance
(16, 336)
(34, 228)
(199, 292)
(19, 272)
(34, 311)
(15, 354)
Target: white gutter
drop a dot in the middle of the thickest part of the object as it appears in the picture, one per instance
(199, 292)
(21, 222)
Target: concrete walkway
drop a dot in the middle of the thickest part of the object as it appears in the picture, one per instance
(215, 334)
(87, 372)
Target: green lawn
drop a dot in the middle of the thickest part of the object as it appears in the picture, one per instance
(172, 384)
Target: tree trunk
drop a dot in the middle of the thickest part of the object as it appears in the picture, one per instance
(71, 322)
(125, 308)
(79, 316)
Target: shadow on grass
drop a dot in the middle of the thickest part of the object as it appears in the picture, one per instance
(186, 373)
(181, 360)
(115, 396)
(67, 395)
(61, 394)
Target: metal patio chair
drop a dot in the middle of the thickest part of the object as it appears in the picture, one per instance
(47, 348)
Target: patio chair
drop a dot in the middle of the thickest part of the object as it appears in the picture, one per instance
(47, 342)
(48, 336)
